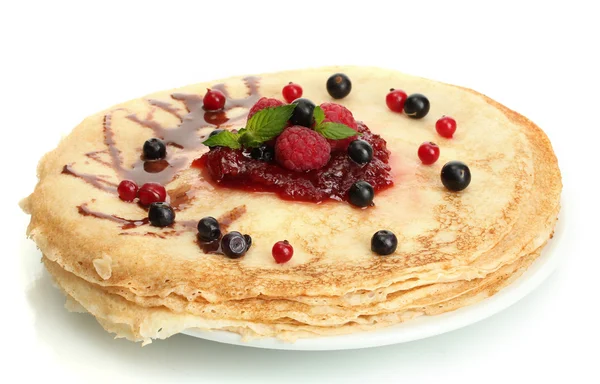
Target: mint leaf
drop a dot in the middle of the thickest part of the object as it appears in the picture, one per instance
(266, 124)
(319, 115)
(335, 131)
(224, 139)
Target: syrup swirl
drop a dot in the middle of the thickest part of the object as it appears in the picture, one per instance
(184, 137)
(127, 223)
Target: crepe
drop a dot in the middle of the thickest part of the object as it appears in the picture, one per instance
(143, 323)
(446, 239)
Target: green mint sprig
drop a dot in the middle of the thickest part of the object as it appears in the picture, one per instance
(268, 123)
(334, 131)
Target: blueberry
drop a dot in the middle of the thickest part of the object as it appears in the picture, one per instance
(456, 176)
(303, 113)
(208, 229)
(248, 242)
(161, 214)
(263, 153)
(416, 106)
(154, 149)
(384, 242)
(339, 86)
(215, 132)
(360, 151)
(361, 194)
(234, 245)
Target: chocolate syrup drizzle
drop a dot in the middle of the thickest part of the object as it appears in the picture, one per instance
(184, 137)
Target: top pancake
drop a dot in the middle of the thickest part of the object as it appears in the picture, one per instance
(510, 205)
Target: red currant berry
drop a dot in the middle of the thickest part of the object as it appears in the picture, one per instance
(395, 100)
(213, 100)
(445, 126)
(428, 153)
(291, 92)
(282, 251)
(127, 190)
(152, 193)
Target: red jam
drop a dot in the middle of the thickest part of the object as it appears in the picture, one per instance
(235, 169)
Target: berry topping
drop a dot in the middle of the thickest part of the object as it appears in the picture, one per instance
(232, 168)
(208, 229)
(154, 149)
(291, 92)
(282, 251)
(161, 214)
(248, 242)
(456, 176)
(301, 149)
(416, 106)
(445, 126)
(213, 100)
(395, 99)
(234, 245)
(215, 132)
(263, 153)
(384, 242)
(360, 151)
(361, 194)
(336, 113)
(428, 153)
(152, 193)
(127, 190)
(339, 86)
(262, 103)
(303, 113)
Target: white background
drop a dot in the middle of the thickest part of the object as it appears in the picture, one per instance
(60, 62)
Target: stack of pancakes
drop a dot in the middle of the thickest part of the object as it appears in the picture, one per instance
(455, 249)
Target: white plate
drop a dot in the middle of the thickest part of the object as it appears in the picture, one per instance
(421, 327)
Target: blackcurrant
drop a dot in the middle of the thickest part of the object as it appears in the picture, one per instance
(456, 176)
(384, 242)
(161, 214)
(416, 106)
(234, 245)
(339, 85)
(303, 113)
(154, 149)
(215, 132)
(263, 153)
(208, 229)
(361, 194)
(360, 151)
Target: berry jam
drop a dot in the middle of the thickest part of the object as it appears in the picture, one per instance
(236, 169)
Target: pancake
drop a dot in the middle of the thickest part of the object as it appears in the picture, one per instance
(449, 243)
(144, 323)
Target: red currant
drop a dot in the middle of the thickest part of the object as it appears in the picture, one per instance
(395, 100)
(282, 251)
(428, 153)
(127, 190)
(291, 92)
(152, 193)
(445, 126)
(213, 100)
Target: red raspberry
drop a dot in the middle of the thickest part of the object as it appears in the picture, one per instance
(337, 113)
(301, 149)
(262, 103)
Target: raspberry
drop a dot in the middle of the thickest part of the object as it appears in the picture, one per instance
(337, 113)
(262, 103)
(301, 149)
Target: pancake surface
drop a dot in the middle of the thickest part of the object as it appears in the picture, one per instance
(451, 245)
